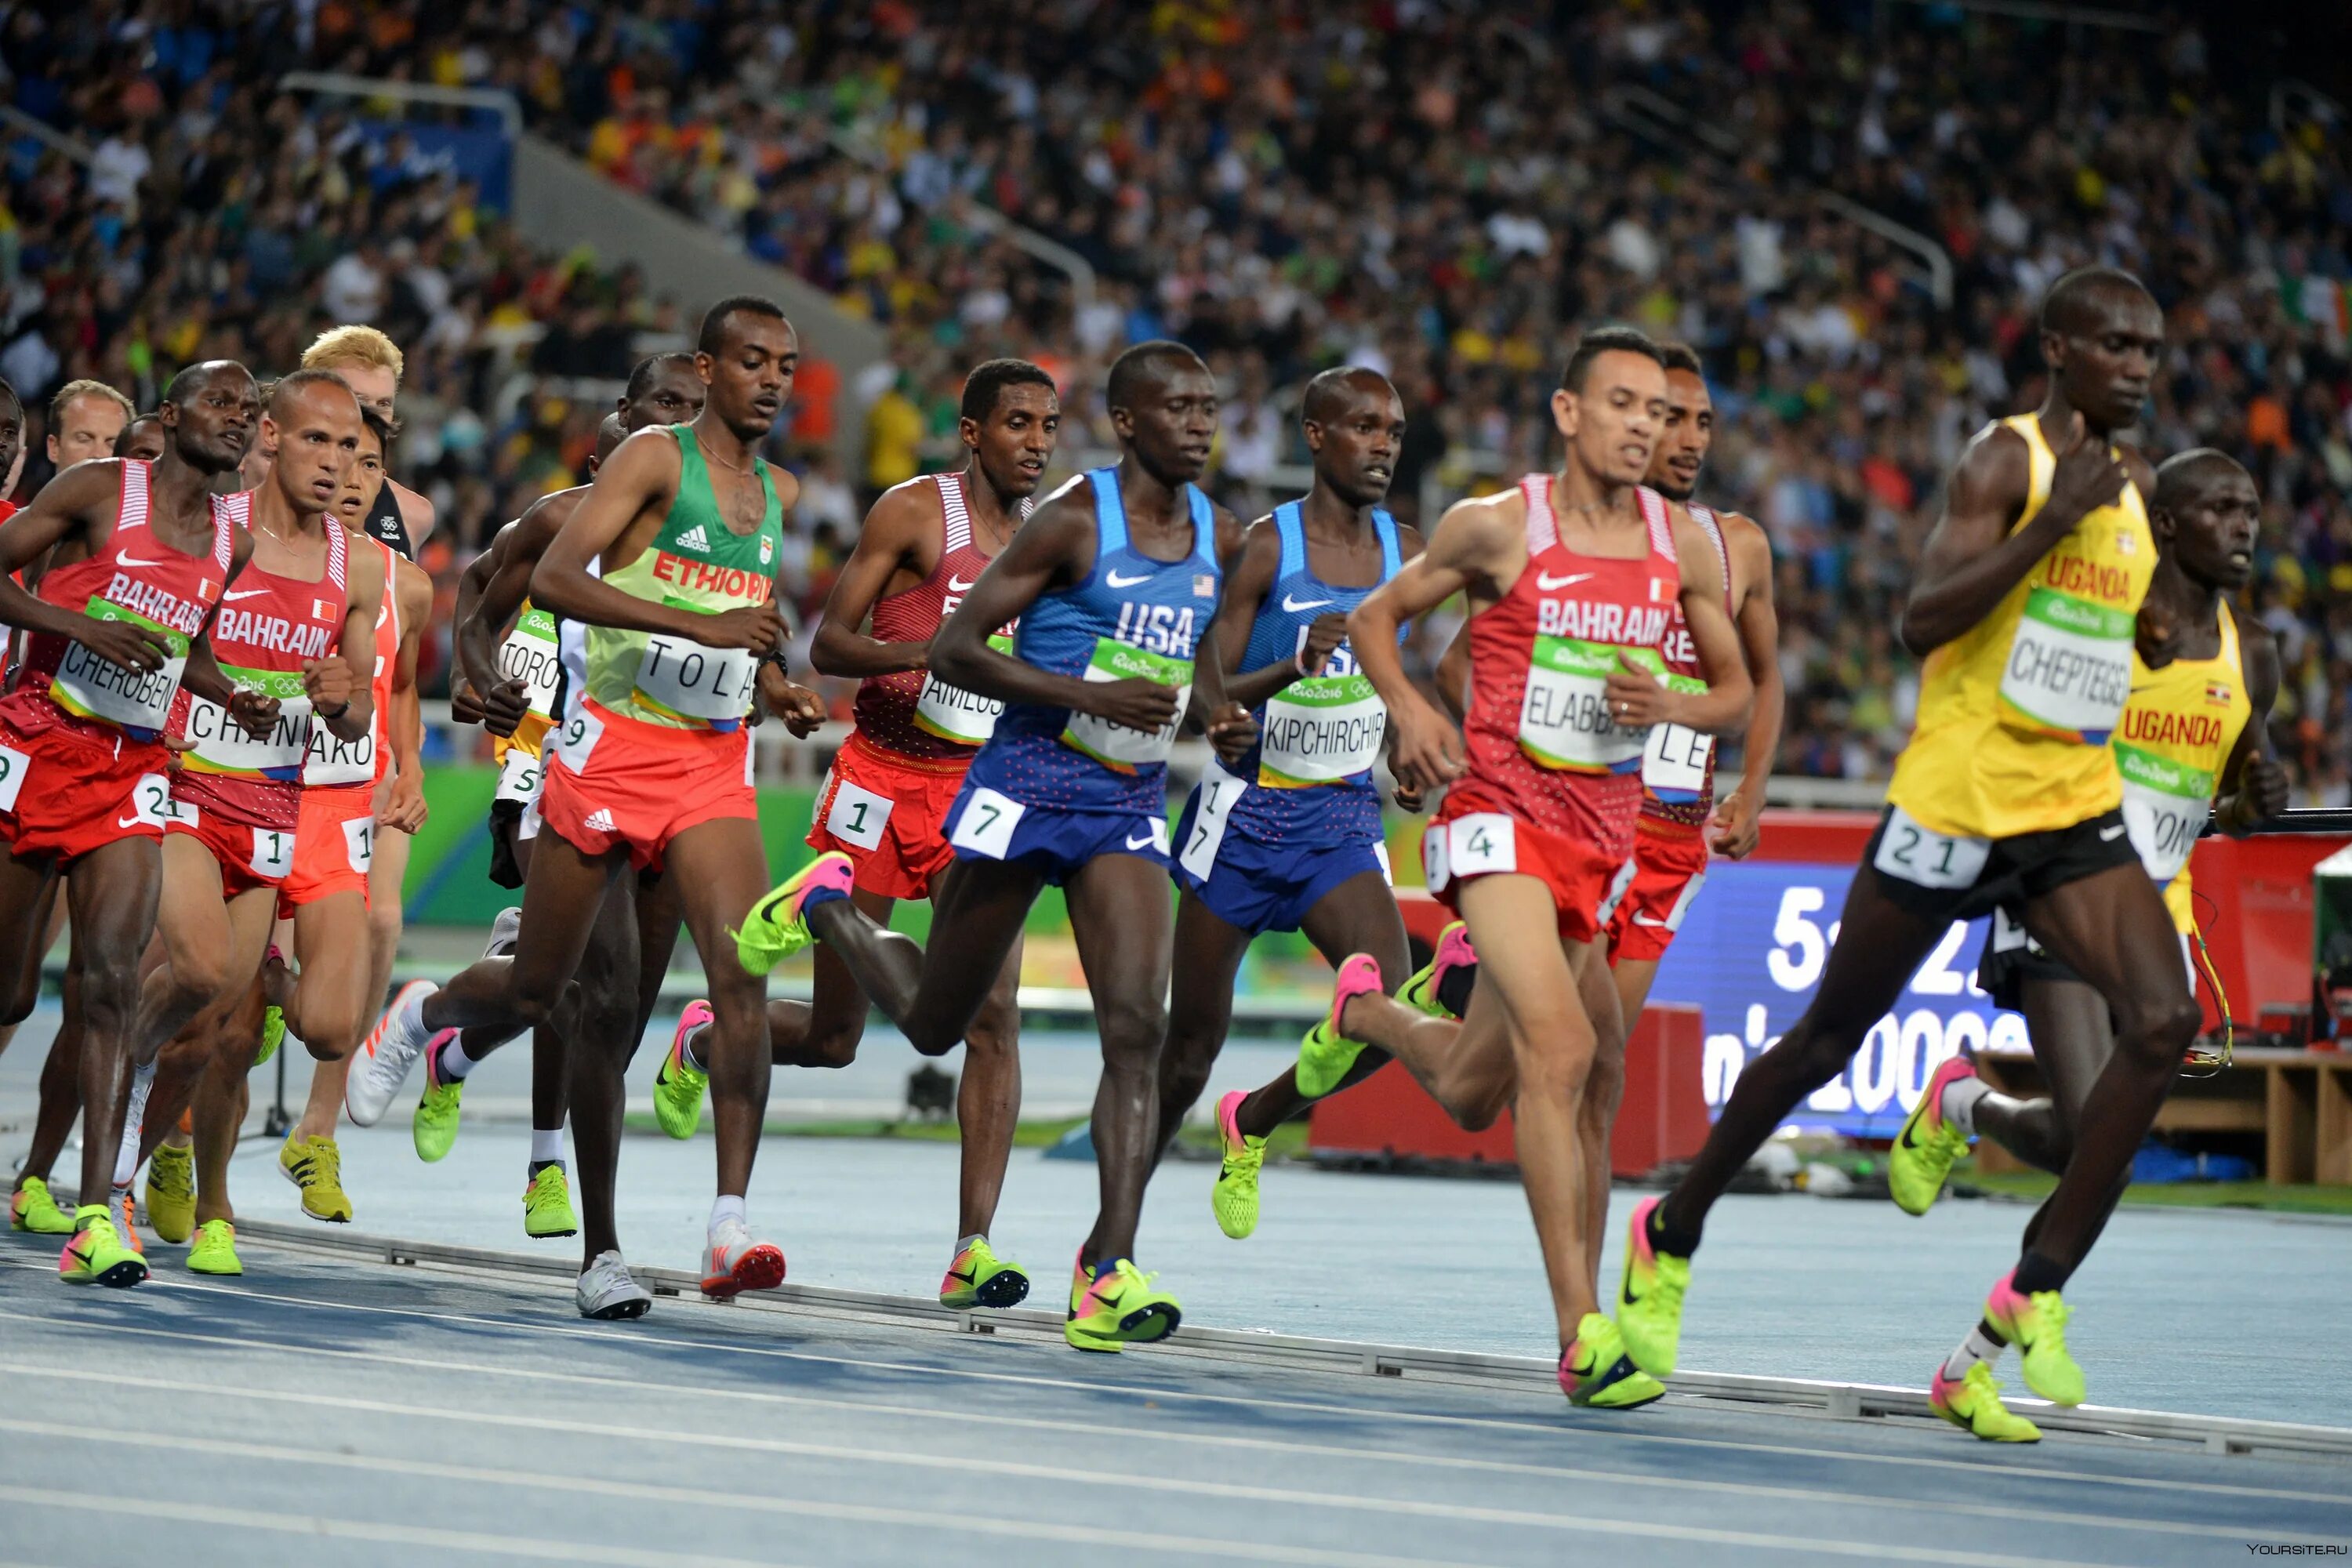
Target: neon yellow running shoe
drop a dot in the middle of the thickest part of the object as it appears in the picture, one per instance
(2036, 1325)
(216, 1249)
(1650, 1298)
(1594, 1370)
(315, 1165)
(31, 1208)
(1973, 1403)
(273, 1032)
(434, 1127)
(678, 1085)
(1454, 952)
(1235, 1197)
(547, 1205)
(976, 1276)
(1113, 1305)
(1324, 1053)
(172, 1193)
(775, 929)
(96, 1254)
(1924, 1149)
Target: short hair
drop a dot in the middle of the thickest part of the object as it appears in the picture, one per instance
(284, 388)
(1604, 341)
(1328, 392)
(1142, 366)
(1683, 357)
(87, 388)
(2070, 297)
(2176, 476)
(712, 337)
(179, 388)
(356, 347)
(8, 393)
(642, 376)
(989, 379)
(130, 427)
(383, 429)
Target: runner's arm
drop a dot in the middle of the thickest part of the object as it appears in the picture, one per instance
(2261, 784)
(203, 676)
(1478, 543)
(1249, 578)
(336, 678)
(1638, 697)
(473, 638)
(1758, 620)
(901, 519)
(641, 476)
(1226, 722)
(66, 507)
(405, 807)
(514, 553)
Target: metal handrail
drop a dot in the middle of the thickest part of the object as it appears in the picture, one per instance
(1059, 256)
(2317, 104)
(72, 146)
(2040, 11)
(341, 84)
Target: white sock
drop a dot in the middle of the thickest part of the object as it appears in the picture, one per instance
(547, 1146)
(1978, 1346)
(134, 1117)
(455, 1063)
(694, 1038)
(1959, 1108)
(726, 1208)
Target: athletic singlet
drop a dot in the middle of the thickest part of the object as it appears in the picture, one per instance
(384, 524)
(695, 563)
(2177, 733)
(335, 762)
(2015, 712)
(139, 579)
(268, 628)
(1134, 615)
(532, 655)
(1679, 762)
(913, 712)
(1542, 746)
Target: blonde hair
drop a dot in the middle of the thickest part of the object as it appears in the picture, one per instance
(362, 348)
(74, 389)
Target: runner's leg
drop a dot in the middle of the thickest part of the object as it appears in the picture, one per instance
(115, 892)
(2073, 1036)
(988, 1099)
(561, 901)
(1360, 915)
(1119, 914)
(59, 1106)
(50, 917)
(1605, 1090)
(825, 1030)
(721, 871)
(1208, 959)
(224, 1093)
(598, 1094)
(976, 921)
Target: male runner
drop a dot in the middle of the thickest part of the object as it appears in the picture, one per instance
(1571, 579)
(2203, 683)
(684, 526)
(144, 439)
(2007, 797)
(142, 553)
(885, 804)
(1113, 580)
(86, 419)
(1291, 839)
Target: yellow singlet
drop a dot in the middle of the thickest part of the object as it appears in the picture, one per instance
(2016, 712)
(2176, 731)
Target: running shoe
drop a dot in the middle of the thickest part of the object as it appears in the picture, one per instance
(96, 1254)
(1325, 1055)
(273, 1016)
(126, 1226)
(391, 1049)
(547, 1205)
(1454, 952)
(31, 1208)
(315, 1165)
(1235, 1196)
(605, 1291)
(1113, 1305)
(172, 1193)
(1650, 1298)
(1595, 1370)
(1927, 1144)
(976, 1276)
(2036, 1325)
(1973, 1403)
(505, 931)
(216, 1249)
(433, 1127)
(678, 1085)
(776, 927)
(734, 1262)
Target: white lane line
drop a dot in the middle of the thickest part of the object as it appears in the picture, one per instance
(313, 1524)
(1995, 1473)
(1642, 1530)
(702, 1498)
(1095, 1432)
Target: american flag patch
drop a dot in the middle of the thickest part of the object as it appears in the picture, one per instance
(1203, 586)
(2219, 692)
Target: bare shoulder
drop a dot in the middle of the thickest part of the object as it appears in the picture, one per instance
(788, 486)
(1750, 549)
(413, 588)
(2141, 471)
(1995, 462)
(417, 513)
(1072, 503)
(905, 511)
(94, 482)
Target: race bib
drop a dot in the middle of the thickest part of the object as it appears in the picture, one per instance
(1925, 859)
(152, 803)
(1617, 886)
(687, 681)
(1674, 759)
(273, 853)
(1214, 801)
(95, 687)
(578, 737)
(530, 655)
(1478, 845)
(986, 824)
(954, 714)
(2166, 806)
(335, 761)
(1115, 745)
(858, 816)
(520, 778)
(1564, 719)
(222, 744)
(1388, 872)
(14, 765)
(2069, 669)
(359, 844)
(1320, 729)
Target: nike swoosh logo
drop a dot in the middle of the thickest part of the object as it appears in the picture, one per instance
(1140, 842)
(1546, 582)
(1646, 920)
(964, 1275)
(2109, 835)
(958, 585)
(1116, 581)
(126, 822)
(141, 560)
(244, 592)
(1293, 608)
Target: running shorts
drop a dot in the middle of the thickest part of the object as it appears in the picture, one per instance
(1937, 876)
(1585, 882)
(614, 781)
(65, 791)
(986, 824)
(514, 811)
(889, 814)
(2012, 958)
(250, 855)
(334, 846)
(1669, 869)
(1256, 887)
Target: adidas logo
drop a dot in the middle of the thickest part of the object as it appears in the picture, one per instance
(600, 821)
(694, 538)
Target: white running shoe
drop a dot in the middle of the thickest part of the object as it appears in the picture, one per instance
(392, 1048)
(504, 932)
(605, 1291)
(134, 1121)
(734, 1262)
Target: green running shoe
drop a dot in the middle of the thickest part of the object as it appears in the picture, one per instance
(1926, 1145)
(976, 1276)
(775, 929)
(1595, 1370)
(2036, 1325)
(172, 1193)
(1324, 1053)
(1235, 1197)
(273, 1032)
(96, 1254)
(1454, 952)
(1650, 1298)
(1114, 1305)
(216, 1249)
(315, 1165)
(434, 1127)
(547, 1205)
(678, 1085)
(1973, 1403)
(31, 1208)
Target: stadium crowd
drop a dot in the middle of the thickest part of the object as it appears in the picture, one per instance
(1446, 191)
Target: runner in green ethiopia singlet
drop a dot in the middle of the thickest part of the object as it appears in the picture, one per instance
(695, 563)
